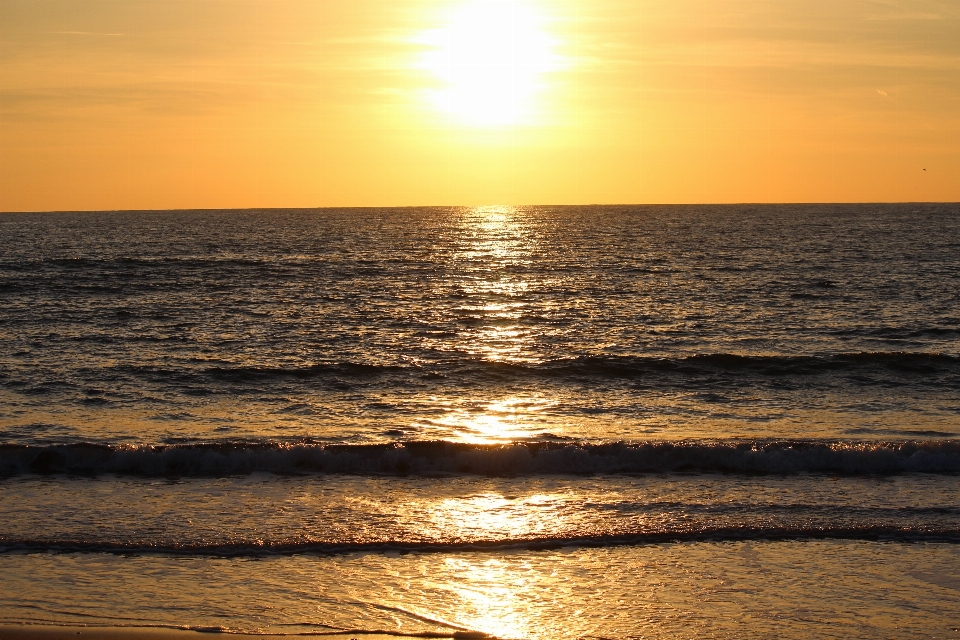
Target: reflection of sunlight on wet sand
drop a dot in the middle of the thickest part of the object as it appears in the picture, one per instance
(487, 596)
(488, 592)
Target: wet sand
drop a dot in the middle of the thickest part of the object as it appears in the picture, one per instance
(44, 632)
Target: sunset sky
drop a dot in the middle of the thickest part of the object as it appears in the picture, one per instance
(120, 104)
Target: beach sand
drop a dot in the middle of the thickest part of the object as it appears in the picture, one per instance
(44, 632)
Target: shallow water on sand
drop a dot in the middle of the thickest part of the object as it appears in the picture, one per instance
(260, 515)
(823, 589)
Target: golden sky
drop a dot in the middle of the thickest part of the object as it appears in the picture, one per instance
(132, 104)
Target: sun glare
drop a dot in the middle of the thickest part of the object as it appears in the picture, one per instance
(490, 58)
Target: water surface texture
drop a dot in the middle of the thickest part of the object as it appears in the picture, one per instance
(539, 422)
(481, 325)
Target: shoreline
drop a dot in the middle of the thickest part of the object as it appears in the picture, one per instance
(27, 631)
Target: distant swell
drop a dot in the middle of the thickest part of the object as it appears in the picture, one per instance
(695, 365)
(658, 370)
(702, 534)
(433, 458)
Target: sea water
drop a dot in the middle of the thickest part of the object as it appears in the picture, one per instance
(532, 422)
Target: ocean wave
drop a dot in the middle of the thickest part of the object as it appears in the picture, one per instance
(439, 458)
(779, 365)
(647, 369)
(866, 532)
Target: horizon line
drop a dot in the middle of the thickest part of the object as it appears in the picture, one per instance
(476, 206)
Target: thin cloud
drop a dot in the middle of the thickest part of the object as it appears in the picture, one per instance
(84, 33)
(913, 16)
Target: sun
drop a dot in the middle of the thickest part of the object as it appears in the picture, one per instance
(490, 58)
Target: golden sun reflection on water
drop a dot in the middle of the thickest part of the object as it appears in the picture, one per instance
(494, 514)
(502, 420)
(486, 596)
(496, 244)
(492, 595)
(491, 600)
(474, 591)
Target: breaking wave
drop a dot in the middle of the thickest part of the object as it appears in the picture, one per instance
(692, 534)
(630, 367)
(439, 458)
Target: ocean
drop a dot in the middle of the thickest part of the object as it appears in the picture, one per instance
(527, 422)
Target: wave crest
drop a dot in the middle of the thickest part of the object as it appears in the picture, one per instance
(433, 458)
(698, 534)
